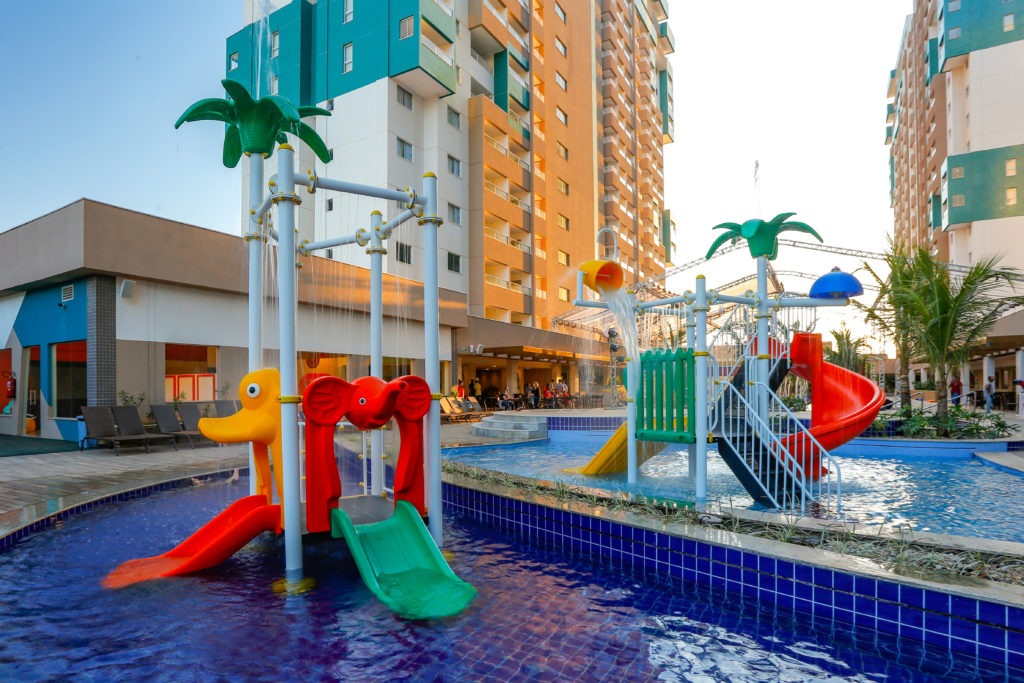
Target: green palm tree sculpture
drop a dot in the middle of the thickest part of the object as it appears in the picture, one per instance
(762, 236)
(255, 126)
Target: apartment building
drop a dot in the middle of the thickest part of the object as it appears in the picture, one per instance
(544, 122)
(955, 127)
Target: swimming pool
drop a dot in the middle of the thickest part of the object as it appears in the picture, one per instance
(538, 616)
(957, 495)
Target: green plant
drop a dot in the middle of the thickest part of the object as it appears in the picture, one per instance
(223, 390)
(130, 399)
(794, 403)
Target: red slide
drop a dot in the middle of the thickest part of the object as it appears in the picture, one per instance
(215, 542)
(844, 403)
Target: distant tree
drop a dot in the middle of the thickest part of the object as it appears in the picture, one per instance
(847, 351)
(950, 314)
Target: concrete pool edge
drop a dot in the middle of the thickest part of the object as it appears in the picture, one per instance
(983, 618)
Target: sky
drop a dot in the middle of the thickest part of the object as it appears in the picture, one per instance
(797, 86)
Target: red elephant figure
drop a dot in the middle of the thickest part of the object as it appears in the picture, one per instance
(368, 403)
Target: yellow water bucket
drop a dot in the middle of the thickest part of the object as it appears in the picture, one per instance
(602, 276)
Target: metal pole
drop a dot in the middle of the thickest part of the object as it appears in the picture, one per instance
(701, 389)
(376, 252)
(289, 380)
(255, 239)
(632, 392)
(763, 352)
(431, 339)
(691, 343)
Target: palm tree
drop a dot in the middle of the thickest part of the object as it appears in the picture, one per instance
(891, 320)
(762, 236)
(255, 126)
(847, 351)
(949, 314)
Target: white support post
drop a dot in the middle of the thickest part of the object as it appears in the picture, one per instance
(763, 351)
(701, 388)
(431, 339)
(254, 237)
(289, 380)
(1018, 369)
(691, 342)
(632, 391)
(376, 252)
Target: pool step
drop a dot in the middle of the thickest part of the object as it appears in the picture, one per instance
(512, 426)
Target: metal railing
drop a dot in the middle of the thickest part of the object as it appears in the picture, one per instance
(795, 471)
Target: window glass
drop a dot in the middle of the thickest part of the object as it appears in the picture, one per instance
(403, 252)
(405, 28)
(69, 388)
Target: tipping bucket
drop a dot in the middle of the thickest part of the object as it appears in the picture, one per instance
(602, 276)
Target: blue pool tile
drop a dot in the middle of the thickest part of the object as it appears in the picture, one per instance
(912, 632)
(823, 577)
(886, 626)
(766, 582)
(748, 577)
(689, 546)
(1015, 659)
(703, 566)
(936, 602)
(991, 654)
(801, 605)
(765, 564)
(912, 596)
(733, 573)
(750, 561)
(803, 590)
(823, 611)
(888, 610)
(961, 628)
(991, 613)
(843, 615)
(784, 586)
(704, 550)
(992, 636)
(733, 556)
(964, 607)
(843, 601)
(887, 590)
(937, 639)
(936, 623)
(784, 569)
(717, 553)
(1015, 641)
(842, 581)
(911, 616)
(804, 573)
(822, 595)
(1015, 617)
(864, 606)
(965, 646)
(864, 586)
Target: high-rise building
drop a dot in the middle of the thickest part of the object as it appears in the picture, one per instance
(955, 127)
(544, 122)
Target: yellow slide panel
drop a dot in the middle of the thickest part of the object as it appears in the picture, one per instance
(613, 456)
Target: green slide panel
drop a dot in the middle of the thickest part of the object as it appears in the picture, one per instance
(401, 565)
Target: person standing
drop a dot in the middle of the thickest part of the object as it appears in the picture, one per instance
(460, 390)
(956, 388)
(989, 391)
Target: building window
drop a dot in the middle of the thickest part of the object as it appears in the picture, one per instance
(958, 200)
(1011, 196)
(275, 43)
(954, 5)
(330, 204)
(190, 372)
(69, 387)
(563, 151)
(563, 293)
(563, 222)
(563, 186)
(561, 115)
(955, 33)
(405, 28)
(454, 214)
(348, 11)
(560, 46)
(560, 80)
(404, 97)
(1007, 22)
(330, 104)
(346, 58)
(454, 119)
(957, 172)
(559, 11)
(232, 61)
(274, 86)
(563, 258)
(454, 166)
(403, 252)
(454, 262)
(404, 149)
(1011, 168)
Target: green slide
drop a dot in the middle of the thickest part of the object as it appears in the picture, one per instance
(401, 565)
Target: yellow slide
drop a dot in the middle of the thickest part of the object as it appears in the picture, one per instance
(612, 457)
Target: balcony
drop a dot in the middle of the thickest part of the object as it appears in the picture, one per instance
(440, 16)
(488, 27)
(428, 72)
(666, 41)
(659, 10)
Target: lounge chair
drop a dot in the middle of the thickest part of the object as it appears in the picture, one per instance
(129, 423)
(473, 406)
(450, 413)
(190, 416)
(167, 422)
(99, 426)
(225, 408)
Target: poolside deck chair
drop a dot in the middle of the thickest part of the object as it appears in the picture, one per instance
(190, 416)
(99, 426)
(129, 423)
(225, 408)
(451, 414)
(473, 406)
(167, 422)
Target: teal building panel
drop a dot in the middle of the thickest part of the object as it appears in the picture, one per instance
(980, 26)
(983, 184)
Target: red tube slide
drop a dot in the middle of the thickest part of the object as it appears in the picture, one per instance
(843, 402)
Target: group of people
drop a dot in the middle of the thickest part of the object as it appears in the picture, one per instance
(988, 391)
(554, 394)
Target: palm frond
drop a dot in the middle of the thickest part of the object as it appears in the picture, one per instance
(209, 109)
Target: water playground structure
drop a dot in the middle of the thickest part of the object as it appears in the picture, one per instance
(695, 394)
(685, 395)
(398, 557)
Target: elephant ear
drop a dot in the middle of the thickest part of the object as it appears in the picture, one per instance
(413, 401)
(325, 400)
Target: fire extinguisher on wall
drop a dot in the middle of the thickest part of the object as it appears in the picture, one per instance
(12, 385)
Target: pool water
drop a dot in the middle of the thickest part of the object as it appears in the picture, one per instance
(957, 495)
(537, 617)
